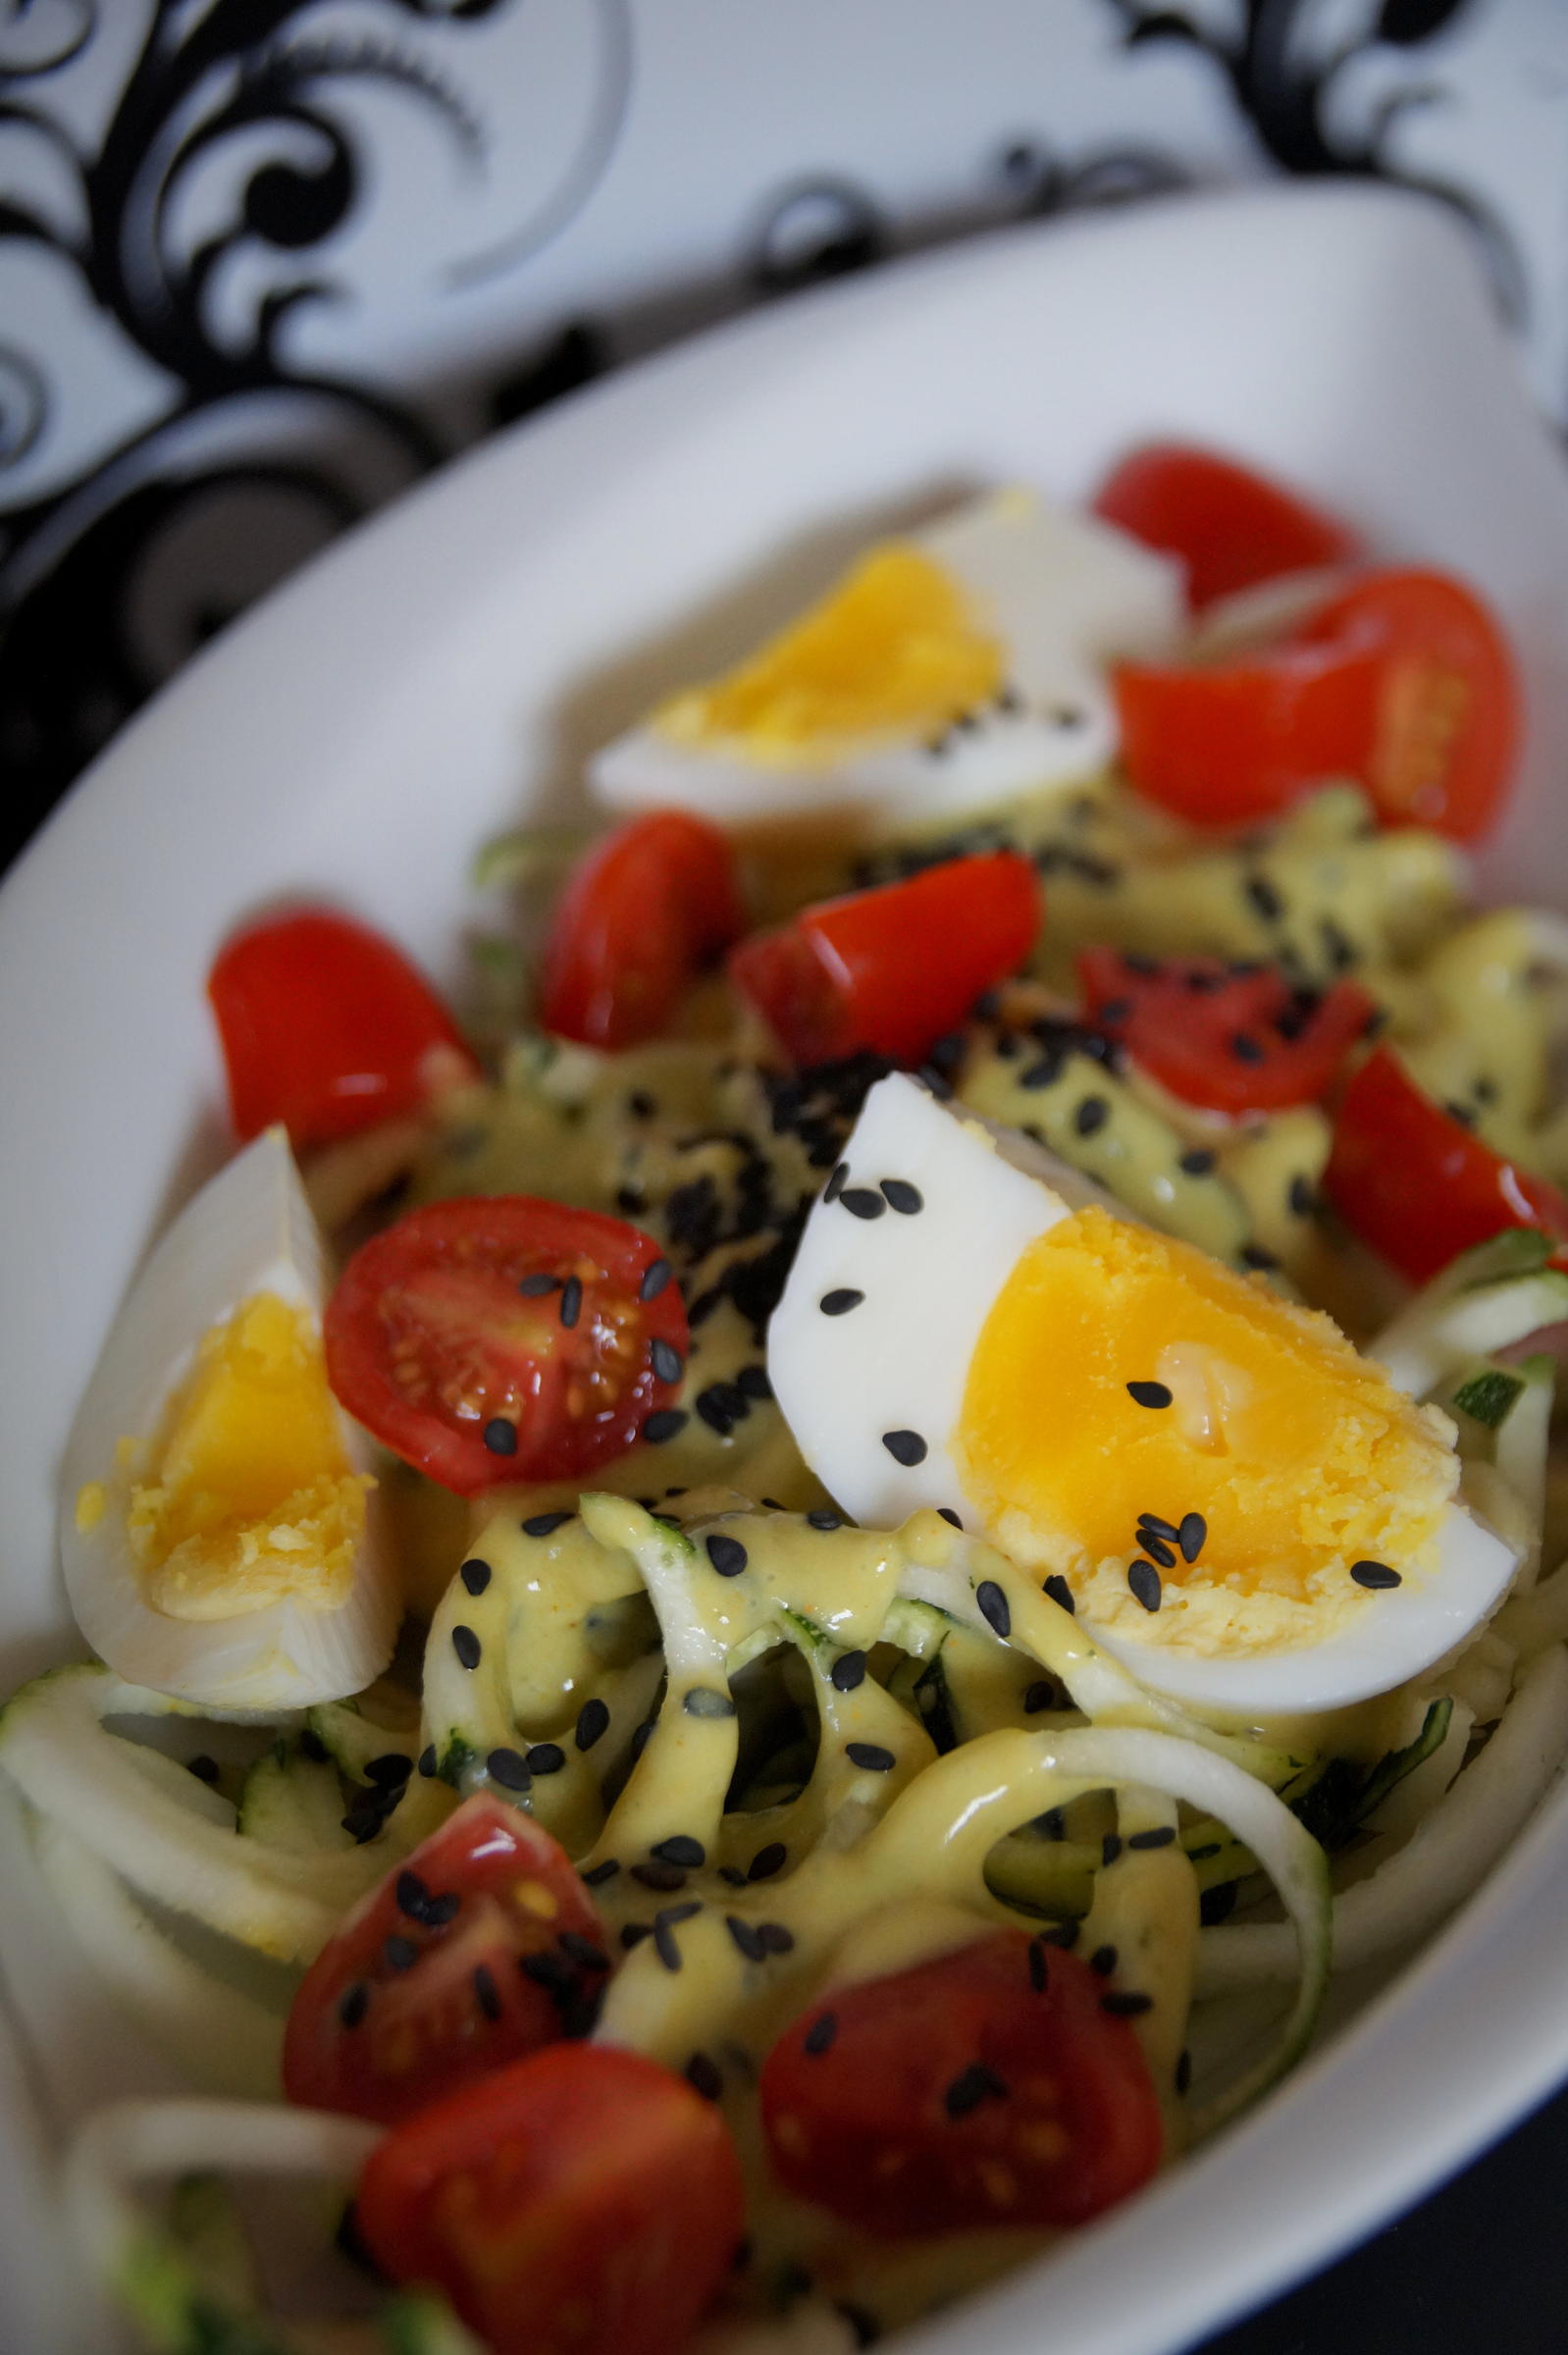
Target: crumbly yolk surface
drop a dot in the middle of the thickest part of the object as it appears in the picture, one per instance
(1299, 1455)
(249, 1497)
(896, 650)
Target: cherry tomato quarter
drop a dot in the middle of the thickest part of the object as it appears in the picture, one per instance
(506, 1337)
(1227, 1040)
(326, 1026)
(1230, 527)
(641, 916)
(583, 2201)
(894, 966)
(1417, 1184)
(989, 2087)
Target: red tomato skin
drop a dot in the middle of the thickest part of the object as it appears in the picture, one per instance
(1181, 1023)
(1230, 527)
(424, 2030)
(583, 2201)
(863, 2125)
(640, 915)
(326, 1026)
(894, 967)
(1404, 681)
(445, 1279)
(1417, 1184)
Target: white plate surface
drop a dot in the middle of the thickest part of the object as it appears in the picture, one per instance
(445, 668)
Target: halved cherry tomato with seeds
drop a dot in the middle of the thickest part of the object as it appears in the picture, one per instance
(479, 1947)
(506, 1337)
(327, 1027)
(894, 967)
(583, 2201)
(646, 910)
(1416, 1183)
(997, 2086)
(1225, 1039)
(1230, 527)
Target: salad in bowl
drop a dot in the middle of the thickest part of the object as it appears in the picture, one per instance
(766, 1617)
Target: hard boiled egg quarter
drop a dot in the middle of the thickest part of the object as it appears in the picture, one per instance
(1242, 1509)
(947, 671)
(218, 1529)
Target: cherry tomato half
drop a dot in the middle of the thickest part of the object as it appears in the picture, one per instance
(328, 1027)
(1416, 1183)
(1228, 1041)
(990, 2088)
(1231, 528)
(894, 966)
(1403, 682)
(644, 911)
(583, 2201)
(505, 1337)
(481, 1946)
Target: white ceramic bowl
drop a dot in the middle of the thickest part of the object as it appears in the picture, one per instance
(444, 669)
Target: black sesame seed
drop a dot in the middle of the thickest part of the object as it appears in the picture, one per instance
(1149, 1393)
(399, 1952)
(1040, 1968)
(871, 1755)
(1144, 1582)
(1201, 1855)
(427, 1760)
(1336, 946)
(655, 1874)
(1159, 1835)
(839, 1301)
(1157, 1549)
(1041, 1694)
(1192, 1536)
(634, 1933)
(824, 1518)
(593, 1721)
(508, 1768)
(776, 1939)
(970, 2087)
(1300, 1198)
(681, 1849)
(1061, 1593)
(753, 1382)
(1156, 1527)
(702, 2074)
(904, 1447)
(667, 1363)
(1184, 2072)
(1063, 1934)
(1091, 1115)
(500, 1436)
(1110, 1847)
(719, 1406)
(945, 1512)
(664, 1945)
(821, 2035)
(1255, 1255)
(470, 1651)
(862, 1203)
(1375, 1575)
(663, 1424)
(546, 1757)
(1043, 1073)
(353, 2003)
(1265, 899)
(1197, 1161)
(475, 1576)
(1113, 1010)
(630, 1200)
(767, 1861)
(837, 1181)
(391, 1771)
(598, 1874)
(901, 1196)
(1245, 1048)
(994, 1609)
(745, 1936)
(847, 1671)
(703, 1701)
(727, 1555)
(1146, 967)
(1125, 2003)
(545, 1525)
(205, 1769)
(487, 1991)
(413, 1898)
(535, 1287)
(1103, 1961)
(656, 1275)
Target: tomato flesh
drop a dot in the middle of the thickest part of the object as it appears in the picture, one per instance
(894, 967)
(1403, 682)
(643, 912)
(1227, 1040)
(583, 2201)
(326, 1026)
(505, 1337)
(989, 2087)
(479, 1947)
(1417, 1184)
(1231, 528)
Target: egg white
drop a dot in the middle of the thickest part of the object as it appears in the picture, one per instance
(248, 1231)
(1063, 593)
(898, 1362)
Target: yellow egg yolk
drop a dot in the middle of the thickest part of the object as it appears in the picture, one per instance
(1122, 1375)
(894, 653)
(248, 1498)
